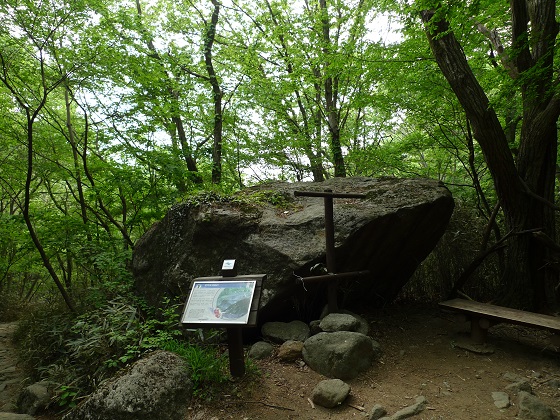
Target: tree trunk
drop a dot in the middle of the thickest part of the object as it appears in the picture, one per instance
(526, 191)
(331, 97)
(309, 129)
(216, 95)
(178, 127)
(27, 218)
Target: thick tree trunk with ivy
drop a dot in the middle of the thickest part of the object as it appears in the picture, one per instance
(524, 187)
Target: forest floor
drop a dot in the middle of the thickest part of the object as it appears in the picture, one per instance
(420, 358)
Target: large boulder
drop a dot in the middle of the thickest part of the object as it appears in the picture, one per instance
(341, 354)
(268, 230)
(156, 387)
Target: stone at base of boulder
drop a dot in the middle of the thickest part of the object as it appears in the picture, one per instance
(531, 408)
(410, 411)
(466, 344)
(330, 393)
(290, 351)
(155, 387)
(35, 398)
(362, 327)
(517, 387)
(261, 350)
(501, 399)
(314, 327)
(279, 332)
(377, 412)
(339, 322)
(341, 354)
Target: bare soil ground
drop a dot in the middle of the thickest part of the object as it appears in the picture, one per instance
(419, 358)
(11, 374)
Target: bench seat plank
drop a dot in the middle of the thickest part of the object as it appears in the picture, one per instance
(503, 314)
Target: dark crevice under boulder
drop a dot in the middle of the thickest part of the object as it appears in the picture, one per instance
(389, 233)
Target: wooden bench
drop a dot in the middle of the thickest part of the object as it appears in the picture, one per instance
(483, 316)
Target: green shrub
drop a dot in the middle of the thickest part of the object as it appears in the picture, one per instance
(208, 365)
(79, 352)
(12, 307)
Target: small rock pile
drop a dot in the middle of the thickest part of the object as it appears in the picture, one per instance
(337, 346)
(530, 407)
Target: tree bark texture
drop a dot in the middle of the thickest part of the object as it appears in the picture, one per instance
(331, 97)
(216, 95)
(525, 188)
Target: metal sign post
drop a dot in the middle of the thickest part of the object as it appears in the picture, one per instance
(332, 278)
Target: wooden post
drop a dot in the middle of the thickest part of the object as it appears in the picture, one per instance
(328, 196)
(331, 261)
(235, 350)
(479, 329)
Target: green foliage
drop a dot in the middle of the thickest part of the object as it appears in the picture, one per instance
(67, 396)
(282, 201)
(208, 365)
(244, 198)
(78, 353)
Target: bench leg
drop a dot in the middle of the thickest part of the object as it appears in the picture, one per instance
(479, 330)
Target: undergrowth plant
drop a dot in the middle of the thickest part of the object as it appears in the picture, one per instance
(207, 364)
(79, 352)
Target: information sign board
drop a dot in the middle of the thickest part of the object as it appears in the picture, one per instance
(219, 302)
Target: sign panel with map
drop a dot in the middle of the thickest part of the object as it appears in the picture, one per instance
(219, 302)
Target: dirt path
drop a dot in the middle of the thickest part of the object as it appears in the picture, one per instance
(11, 375)
(420, 358)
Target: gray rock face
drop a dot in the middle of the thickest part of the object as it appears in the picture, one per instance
(339, 322)
(517, 387)
(279, 332)
(501, 399)
(513, 377)
(342, 354)
(34, 398)
(156, 387)
(531, 408)
(290, 351)
(376, 412)
(389, 233)
(330, 393)
(410, 411)
(554, 383)
(261, 350)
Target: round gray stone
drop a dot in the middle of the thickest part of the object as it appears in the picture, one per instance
(339, 322)
(330, 393)
(531, 408)
(261, 350)
(279, 332)
(341, 354)
(290, 351)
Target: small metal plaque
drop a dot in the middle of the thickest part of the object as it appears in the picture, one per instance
(229, 269)
(228, 264)
(219, 302)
